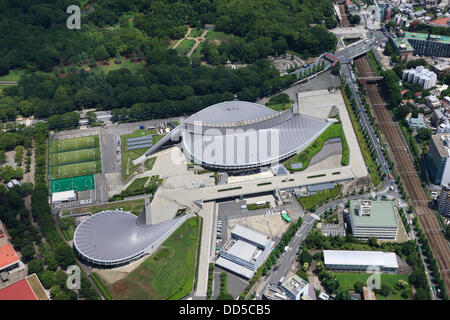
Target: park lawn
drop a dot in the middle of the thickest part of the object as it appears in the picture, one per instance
(137, 184)
(129, 155)
(13, 75)
(195, 33)
(320, 197)
(185, 46)
(373, 171)
(149, 163)
(279, 107)
(69, 157)
(133, 206)
(132, 66)
(168, 274)
(158, 137)
(347, 280)
(214, 35)
(198, 51)
(74, 144)
(76, 169)
(333, 131)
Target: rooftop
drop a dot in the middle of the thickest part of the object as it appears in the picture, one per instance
(250, 235)
(294, 284)
(7, 256)
(380, 213)
(244, 250)
(404, 44)
(360, 258)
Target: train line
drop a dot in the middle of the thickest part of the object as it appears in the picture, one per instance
(345, 22)
(405, 167)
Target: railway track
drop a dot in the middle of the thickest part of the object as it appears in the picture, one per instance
(345, 22)
(405, 167)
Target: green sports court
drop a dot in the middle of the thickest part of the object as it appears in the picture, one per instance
(76, 183)
(75, 157)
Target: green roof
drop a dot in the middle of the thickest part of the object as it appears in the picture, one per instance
(419, 36)
(382, 213)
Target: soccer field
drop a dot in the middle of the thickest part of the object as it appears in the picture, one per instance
(76, 169)
(74, 144)
(76, 183)
(75, 157)
(70, 157)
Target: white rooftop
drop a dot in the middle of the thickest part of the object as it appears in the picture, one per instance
(243, 250)
(360, 258)
(63, 195)
(234, 267)
(250, 235)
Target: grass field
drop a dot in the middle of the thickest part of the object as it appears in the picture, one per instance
(75, 157)
(132, 66)
(214, 35)
(347, 280)
(279, 107)
(74, 144)
(13, 75)
(195, 33)
(129, 155)
(320, 197)
(185, 46)
(75, 183)
(333, 131)
(198, 51)
(374, 175)
(133, 206)
(76, 169)
(166, 275)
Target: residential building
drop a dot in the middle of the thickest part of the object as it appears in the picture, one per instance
(432, 101)
(416, 123)
(444, 201)
(360, 261)
(373, 219)
(420, 75)
(409, 43)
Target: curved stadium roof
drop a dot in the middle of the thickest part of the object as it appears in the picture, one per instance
(220, 136)
(113, 238)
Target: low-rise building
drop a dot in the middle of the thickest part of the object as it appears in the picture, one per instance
(360, 261)
(373, 219)
(432, 101)
(297, 288)
(245, 252)
(416, 123)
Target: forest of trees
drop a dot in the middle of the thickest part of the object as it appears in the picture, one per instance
(169, 84)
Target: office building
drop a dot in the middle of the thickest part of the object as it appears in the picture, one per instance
(373, 219)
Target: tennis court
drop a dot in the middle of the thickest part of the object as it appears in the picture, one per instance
(77, 183)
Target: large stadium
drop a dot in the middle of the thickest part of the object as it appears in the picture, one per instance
(114, 238)
(238, 135)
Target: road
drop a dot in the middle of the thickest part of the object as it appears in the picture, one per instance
(286, 261)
